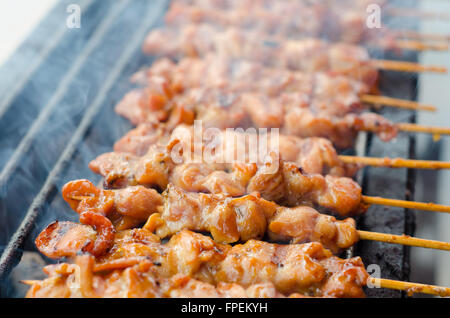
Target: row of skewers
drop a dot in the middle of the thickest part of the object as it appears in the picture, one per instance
(221, 70)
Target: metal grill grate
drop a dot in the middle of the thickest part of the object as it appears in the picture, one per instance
(58, 116)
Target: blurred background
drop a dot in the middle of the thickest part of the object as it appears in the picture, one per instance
(19, 17)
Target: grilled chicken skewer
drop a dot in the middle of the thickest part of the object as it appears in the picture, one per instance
(314, 155)
(240, 76)
(138, 262)
(289, 112)
(288, 184)
(228, 219)
(347, 12)
(282, 182)
(292, 268)
(292, 113)
(289, 20)
(299, 106)
(140, 280)
(309, 55)
(276, 180)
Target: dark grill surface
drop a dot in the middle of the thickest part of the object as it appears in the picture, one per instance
(57, 95)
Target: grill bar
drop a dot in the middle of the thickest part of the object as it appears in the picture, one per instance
(12, 252)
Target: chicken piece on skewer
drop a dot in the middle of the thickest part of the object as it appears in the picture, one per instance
(138, 281)
(139, 140)
(307, 269)
(279, 181)
(126, 208)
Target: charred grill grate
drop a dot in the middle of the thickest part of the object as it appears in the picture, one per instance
(57, 114)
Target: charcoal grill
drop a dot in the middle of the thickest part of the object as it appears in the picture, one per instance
(56, 114)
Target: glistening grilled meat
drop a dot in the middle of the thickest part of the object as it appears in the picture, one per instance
(239, 76)
(138, 281)
(307, 269)
(314, 155)
(307, 55)
(332, 20)
(228, 219)
(292, 113)
(279, 181)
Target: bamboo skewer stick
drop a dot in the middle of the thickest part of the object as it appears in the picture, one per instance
(406, 204)
(420, 46)
(411, 288)
(423, 129)
(437, 132)
(402, 66)
(421, 36)
(395, 102)
(395, 162)
(403, 240)
(29, 282)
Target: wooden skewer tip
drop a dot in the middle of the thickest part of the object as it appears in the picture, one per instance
(409, 127)
(410, 288)
(394, 102)
(403, 240)
(395, 162)
(402, 66)
(420, 46)
(406, 204)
